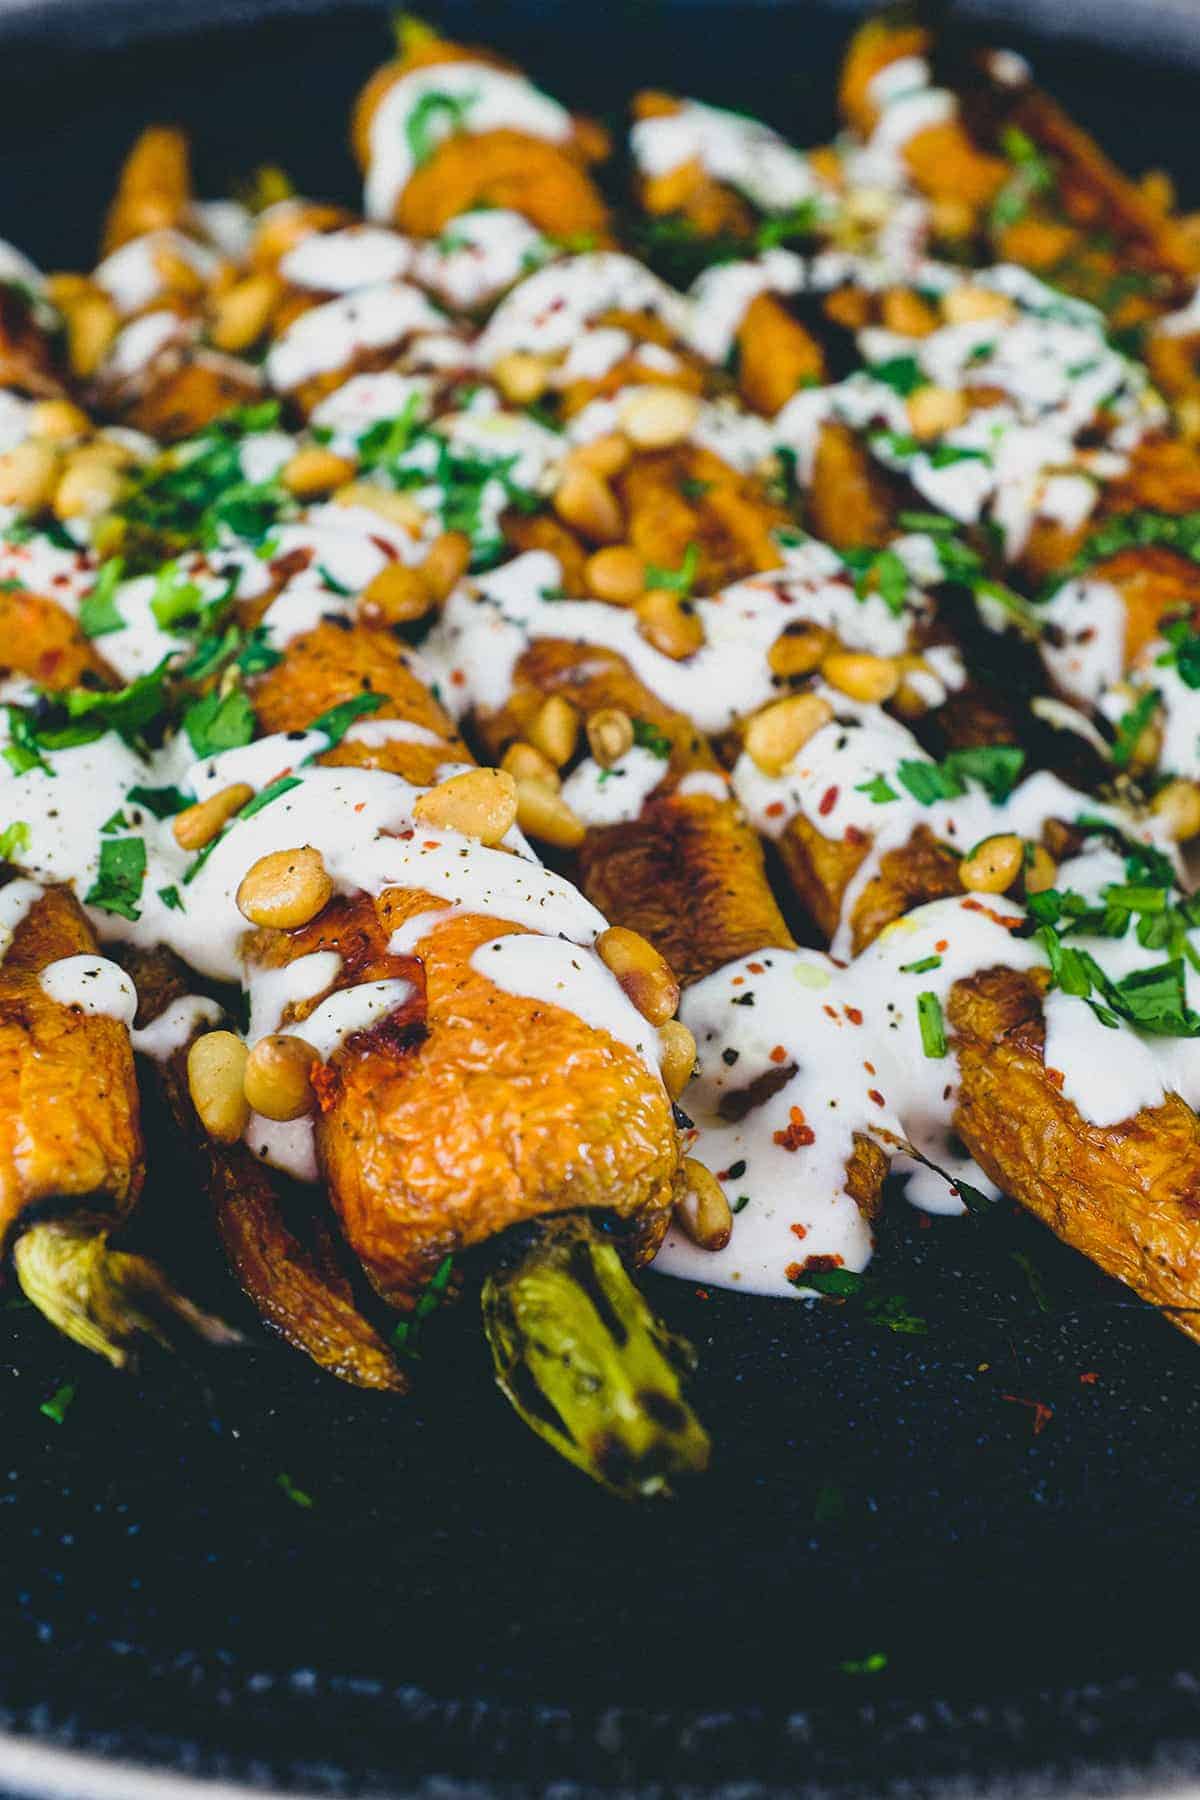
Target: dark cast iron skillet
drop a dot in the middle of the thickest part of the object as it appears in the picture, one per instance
(962, 1562)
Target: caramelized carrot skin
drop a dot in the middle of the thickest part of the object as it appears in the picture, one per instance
(1127, 1196)
(69, 1120)
(473, 1109)
(38, 638)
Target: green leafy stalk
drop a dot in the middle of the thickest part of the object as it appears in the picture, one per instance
(587, 1365)
(102, 1298)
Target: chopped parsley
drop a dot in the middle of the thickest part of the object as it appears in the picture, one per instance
(59, 1403)
(163, 802)
(1184, 653)
(677, 581)
(14, 840)
(337, 721)
(98, 613)
(171, 898)
(174, 598)
(882, 1307)
(219, 722)
(1032, 175)
(649, 737)
(922, 967)
(296, 1495)
(881, 572)
(1131, 725)
(119, 879)
(878, 789)
(435, 116)
(996, 767)
(407, 1333)
(903, 374)
(282, 784)
(931, 1023)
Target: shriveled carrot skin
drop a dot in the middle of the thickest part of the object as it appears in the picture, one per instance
(1127, 1196)
(154, 189)
(684, 496)
(39, 639)
(776, 355)
(849, 502)
(709, 207)
(329, 666)
(69, 1121)
(821, 870)
(288, 1268)
(545, 182)
(537, 1112)
(185, 400)
(27, 360)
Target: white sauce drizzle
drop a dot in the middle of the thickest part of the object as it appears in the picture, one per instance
(92, 985)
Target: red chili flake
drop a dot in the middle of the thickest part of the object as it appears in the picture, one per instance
(430, 844)
(755, 968)
(702, 1293)
(825, 1007)
(1042, 1414)
(800, 1231)
(797, 1134)
(457, 678)
(875, 1095)
(1009, 923)
(361, 807)
(853, 835)
(779, 1054)
(1055, 1077)
(793, 1272)
(869, 1067)
(942, 944)
(738, 981)
(853, 1014)
(1089, 1378)
(828, 801)
(775, 810)
(384, 548)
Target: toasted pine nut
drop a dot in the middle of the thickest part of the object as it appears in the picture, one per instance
(905, 312)
(545, 815)
(59, 421)
(27, 474)
(775, 734)
(701, 1208)
(641, 971)
(396, 508)
(524, 763)
(242, 313)
(87, 488)
(585, 501)
(277, 1081)
(861, 676)
(216, 1068)
(952, 216)
(1178, 806)
(799, 652)
(105, 451)
(1041, 870)
(285, 888)
(92, 323)
(605, 456)
(668, 624)
(966, 304)
(655, 417)
(176, 273)
(676, 1056)
(555, 730)
(994, 865)
(198, 825)
(396, 595)
(932, 410)
(447, 562)
(617, 575)
(481, 803)
(609, 735)
(522, 377)
(315, 470)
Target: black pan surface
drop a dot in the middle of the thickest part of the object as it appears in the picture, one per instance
(961, 1561)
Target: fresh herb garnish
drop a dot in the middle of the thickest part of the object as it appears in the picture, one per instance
(649, 737)
(1131, 726)
(931, 1023)
(14, 840)
(219, 722)
(98, 613)
(677, 581)
(163, 802)
(337, 721)
(59, 1403)
(119, 879)
(435, 116)
(407, 1333)
(880, 572)
(903, 374)
(996, 767)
